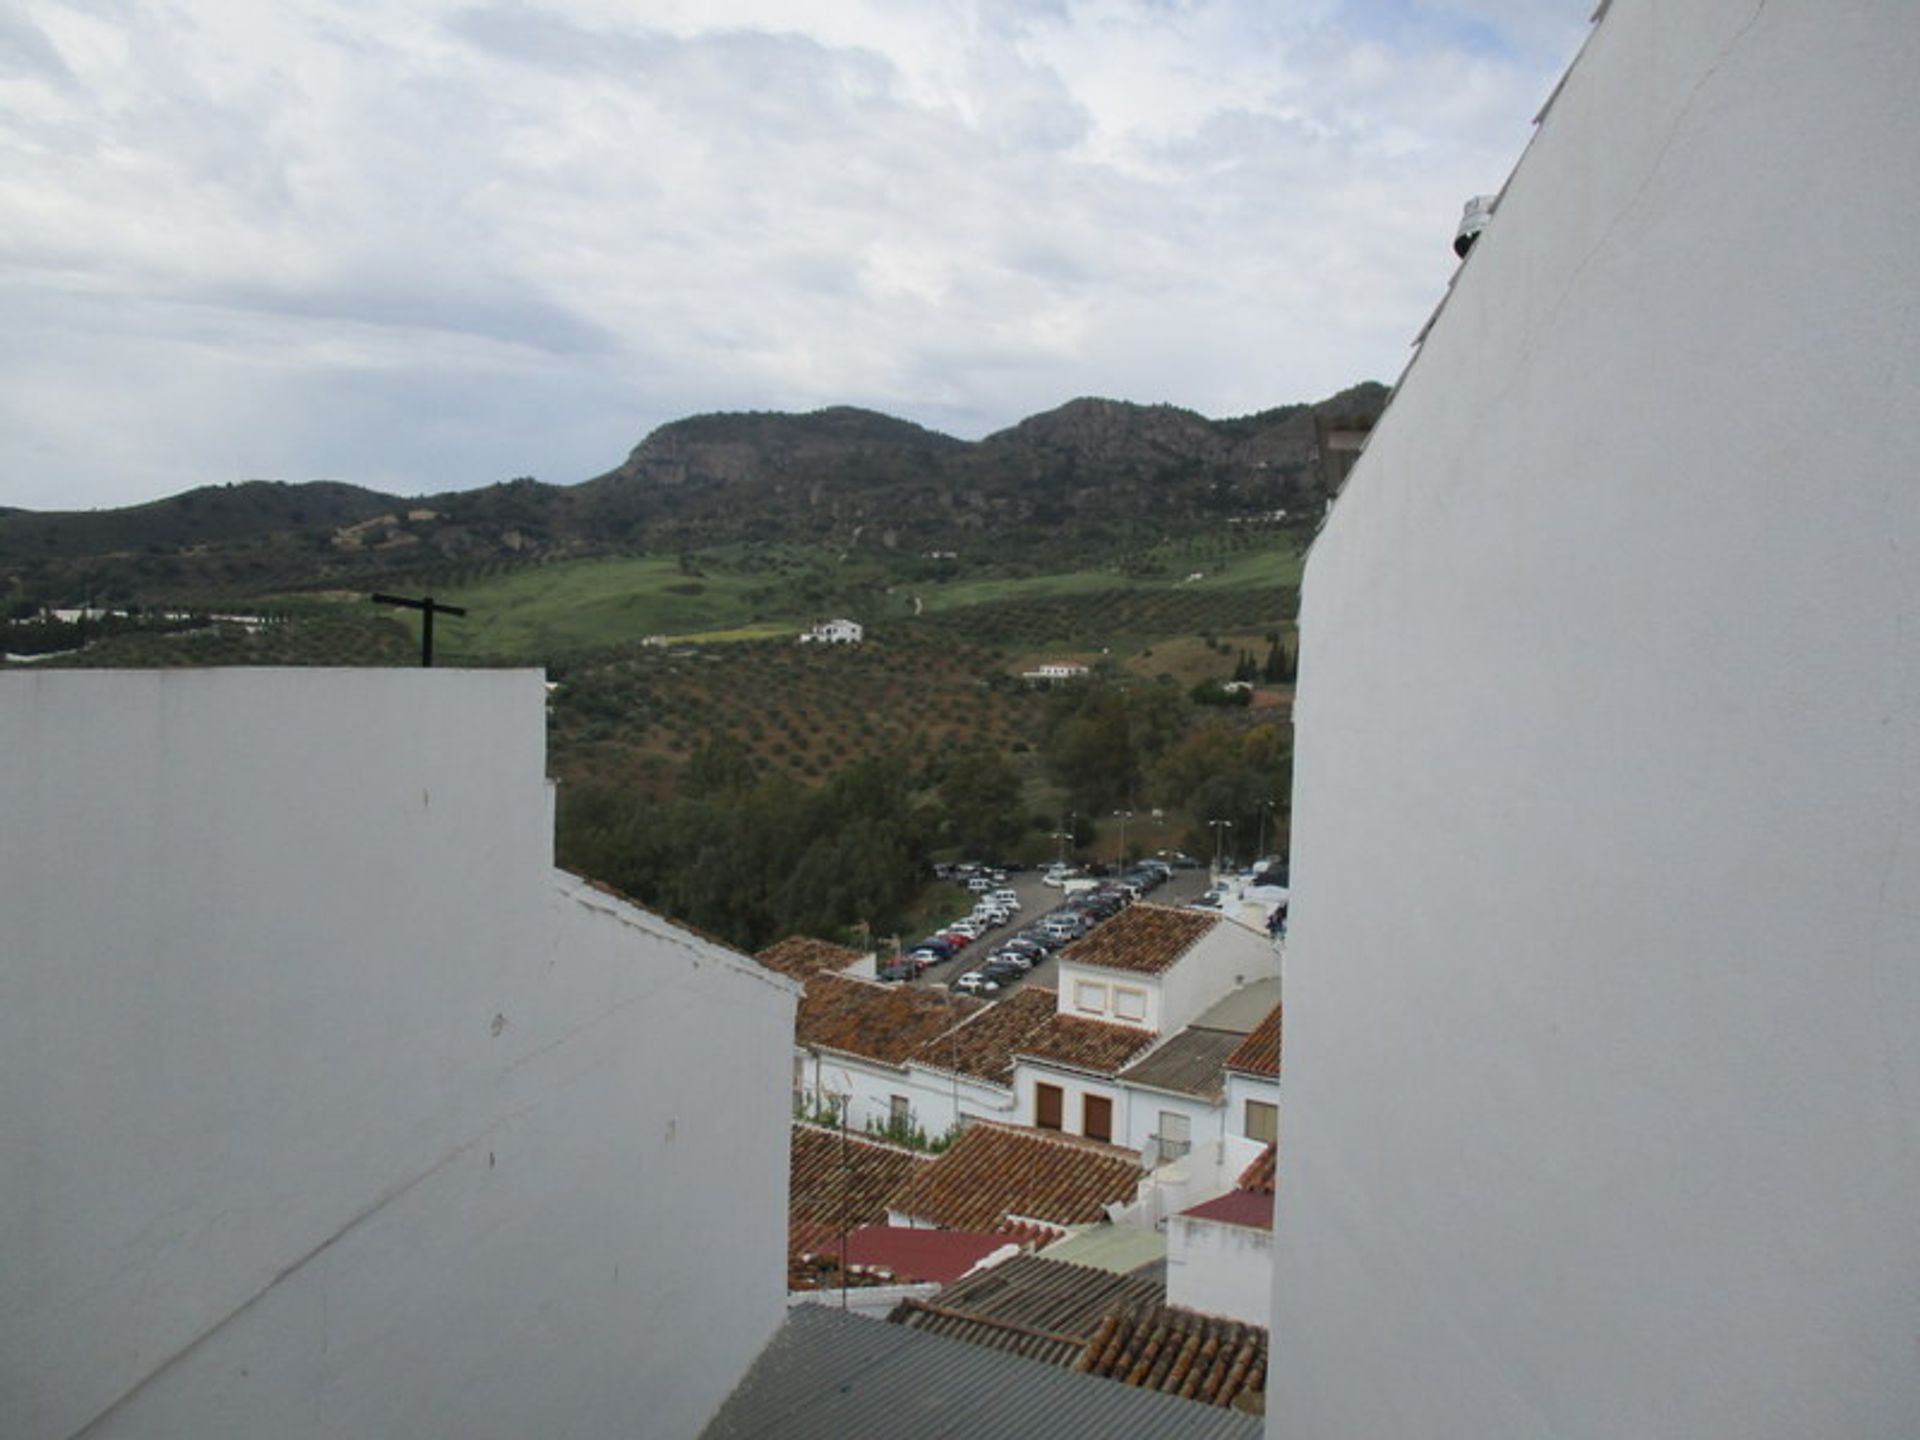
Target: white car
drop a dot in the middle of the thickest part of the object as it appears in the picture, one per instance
(1006, 899)
(974, 983)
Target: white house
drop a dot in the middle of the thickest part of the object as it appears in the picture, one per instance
(1157, 967)
(1188, 1104)
(835, 632)
(1602, 1002)
(1055, 670)
(1220, 1251)
(329, 1106)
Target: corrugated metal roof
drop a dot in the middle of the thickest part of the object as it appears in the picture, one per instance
(1188, 1064)
(1241, 1009)
(826, 1375)
(1121, 1249)
(1045, 1309)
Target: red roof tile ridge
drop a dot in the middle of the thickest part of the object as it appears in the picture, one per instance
(1061, 1138)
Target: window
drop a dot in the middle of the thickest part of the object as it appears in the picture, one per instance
(1090, 997)
(899, 1112)
(1129, 1003)
(1263, 1122)
(1049, 1104)
(1097, 1112)
(1176, 1136)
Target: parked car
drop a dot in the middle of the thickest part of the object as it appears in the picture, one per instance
(940, 945)
(1017, 960)
(976, 983)
(899, 970)
(980, 884)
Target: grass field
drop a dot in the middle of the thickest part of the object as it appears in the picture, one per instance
(1245, 583)
(584, 604)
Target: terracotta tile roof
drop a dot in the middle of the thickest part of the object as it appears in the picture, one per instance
(1092, 1045)
(1144, 937)
(802, 956)
(887, 1023)
(1043, 1309)
(993, 1172)
(983, 1047)
(832, 1182)
(1181, 1352)
(1259, 1176)
(1259, 1053)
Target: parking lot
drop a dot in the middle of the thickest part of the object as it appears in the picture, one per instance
(1036, 902)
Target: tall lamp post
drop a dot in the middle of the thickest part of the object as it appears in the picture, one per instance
(1123, 816)
(1220, 828)
(1260, 850)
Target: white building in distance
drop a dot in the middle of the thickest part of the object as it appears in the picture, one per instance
(328, 1107)
(835, 632)
(1602, 995)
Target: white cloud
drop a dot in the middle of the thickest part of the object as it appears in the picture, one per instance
(439, 244)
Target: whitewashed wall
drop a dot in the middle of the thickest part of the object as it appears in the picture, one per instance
(1220, 1269)
(1602, 997)
(329, 1107)
(1074, 1090)
(1242, 1088)
(1227, 957)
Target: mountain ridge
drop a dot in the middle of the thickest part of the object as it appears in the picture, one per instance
(1082, 472)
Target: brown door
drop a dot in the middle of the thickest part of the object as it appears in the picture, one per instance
(1048, 1105)
(1099, 1117)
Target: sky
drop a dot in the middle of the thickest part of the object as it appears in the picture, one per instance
(422, 245)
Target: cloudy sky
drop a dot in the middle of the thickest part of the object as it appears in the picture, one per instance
(427, 244)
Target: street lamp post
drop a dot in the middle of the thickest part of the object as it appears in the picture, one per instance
(1260, 850)
(1123, 816)
(1220, 827)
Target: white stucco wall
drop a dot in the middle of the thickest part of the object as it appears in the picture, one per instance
(936, 1100)
(329, 1107)
(1100, 1002)
(1141, 1107)
(1229, 956)
(1242, 1088)
(1601, 1069)
(1220, 1269)
(1074, 1090)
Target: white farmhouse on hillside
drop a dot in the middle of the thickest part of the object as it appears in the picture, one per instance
(835, 632)
(330, 1107)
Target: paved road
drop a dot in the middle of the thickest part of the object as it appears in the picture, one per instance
(1036, 901)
